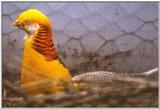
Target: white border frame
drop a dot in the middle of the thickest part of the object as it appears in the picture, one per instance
(81, 1)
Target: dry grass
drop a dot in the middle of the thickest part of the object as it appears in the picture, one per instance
(142, 93)
(132, 92)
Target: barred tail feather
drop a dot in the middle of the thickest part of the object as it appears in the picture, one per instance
(150, 72)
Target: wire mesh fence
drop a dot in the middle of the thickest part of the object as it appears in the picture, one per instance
(100, 35)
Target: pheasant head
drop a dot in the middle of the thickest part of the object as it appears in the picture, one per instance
(31, 20)
(38, 27)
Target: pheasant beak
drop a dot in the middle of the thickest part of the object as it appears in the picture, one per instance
(15, 23)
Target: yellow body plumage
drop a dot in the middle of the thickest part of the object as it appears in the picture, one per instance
(36, 69)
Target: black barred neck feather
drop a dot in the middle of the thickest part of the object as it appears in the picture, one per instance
(42, 43)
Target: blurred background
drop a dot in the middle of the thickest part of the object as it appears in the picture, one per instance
(89, 36)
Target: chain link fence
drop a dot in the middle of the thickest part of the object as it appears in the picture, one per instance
(89, 36)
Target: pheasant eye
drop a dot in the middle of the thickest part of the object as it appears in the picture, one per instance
(27, 22)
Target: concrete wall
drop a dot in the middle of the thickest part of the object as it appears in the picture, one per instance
(121, 37)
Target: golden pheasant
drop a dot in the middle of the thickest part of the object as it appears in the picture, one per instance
(42, 71)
